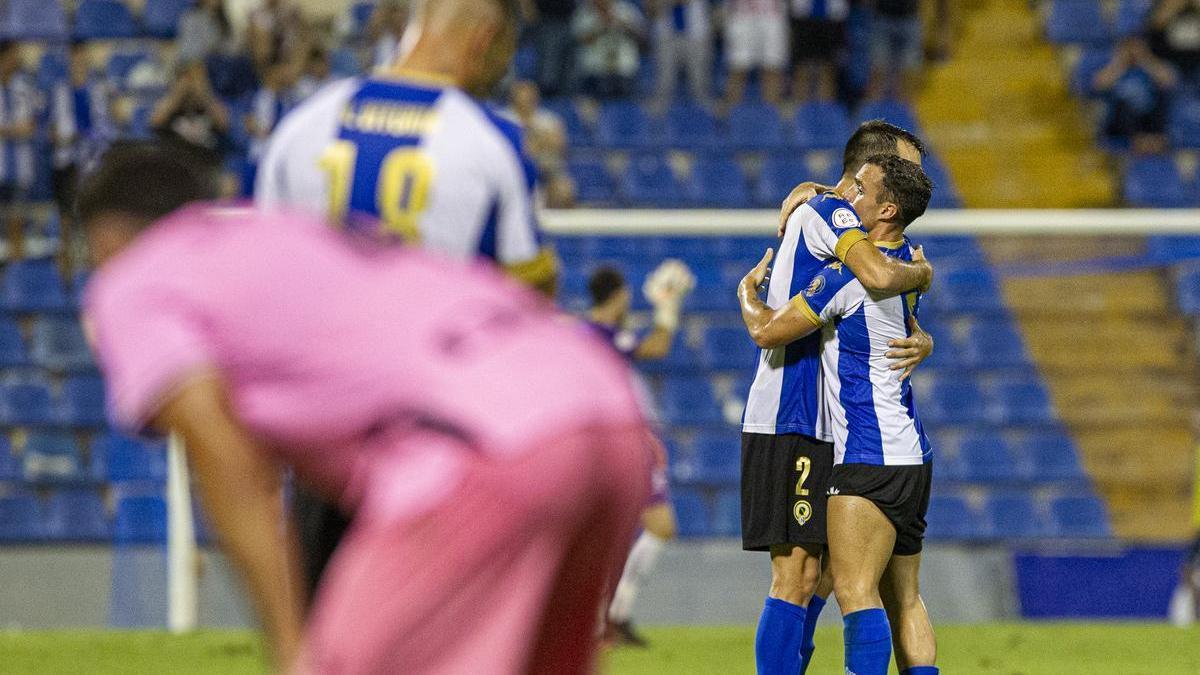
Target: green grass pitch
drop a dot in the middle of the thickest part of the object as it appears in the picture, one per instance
(1000, 649)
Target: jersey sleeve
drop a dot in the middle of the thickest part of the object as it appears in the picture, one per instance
(830, 228)
(149, 339)
(829, 295)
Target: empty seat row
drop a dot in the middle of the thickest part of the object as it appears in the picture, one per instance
(1091, 22)
(32, 402)
(93, 19)
(37, 286)
(58, 457)
(79, 515)
(1157, 182)
(56, 344)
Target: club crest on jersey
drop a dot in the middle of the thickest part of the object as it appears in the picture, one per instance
(802, 511)
(817, 285)
(844, 218)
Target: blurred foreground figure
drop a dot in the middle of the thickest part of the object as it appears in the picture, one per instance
(493, 451)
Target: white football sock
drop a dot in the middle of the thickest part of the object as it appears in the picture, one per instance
(642, 559)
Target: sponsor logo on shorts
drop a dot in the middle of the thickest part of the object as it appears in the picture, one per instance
(817, 285)
(844, 218)
(802, 511)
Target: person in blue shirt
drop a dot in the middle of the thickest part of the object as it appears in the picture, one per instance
(1135, 85)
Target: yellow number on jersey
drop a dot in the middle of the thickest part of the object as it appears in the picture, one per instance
(402, 187)
(803, 467)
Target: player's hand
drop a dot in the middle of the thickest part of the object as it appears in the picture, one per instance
(908, 353)
(797, 198)
(757, 276)
(666, 288)
(918, 258)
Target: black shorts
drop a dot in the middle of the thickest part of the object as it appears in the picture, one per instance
(320, 527)
(817, 40)
(901, 492)
(784, 481)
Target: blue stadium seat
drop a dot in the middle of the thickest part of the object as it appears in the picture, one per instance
(987, 458)
(624, 124)
(103, 20)
(52, 68)
(689, 400)
(992, 345)
(26, 402)
(729, 347)
(34, 286)
(593, 182)
(950, 517)
(34, 20)
(58, 343)
(1187, 287)
(10, 464)
(52, 456)
(950, 464)
(82, 402)
(755, 126)
(691, 511)
(579, 134)
(344, 62)
(1131, 17)
(821, 126)
(649, 181)
(780, 173)
(718, 182)
(690, 126)
(1155, 182)
(1014, 515)
(1020, 401)
(76, 515)
(121, 64)
(954, 402)
(1077, 21)
(965, 290)
(160, 17)
(1183, 125)
(896, 112)
(945, 194)
(1091, 61)
(727, 513)
(129, 459)
(719, 458)
(1052, 455)
(141, 520)
(360, 14)
(12, 345)
(20, 519)
(1080, 516)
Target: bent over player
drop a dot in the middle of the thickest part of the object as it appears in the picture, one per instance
(879, 490)
(494, 454)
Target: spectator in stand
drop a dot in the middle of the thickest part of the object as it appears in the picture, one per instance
(82, 124)
(897, 49)
(318, 71)
(553, 43)
(274, 98)
(1175, 34)
(192, 115)
(818, 39)
(384, 30)
(18, 110)
(276, 33)
(683, 41)
(1136, 85)
(756, 37)
(610, 33)
(203, 30)
(545, 141)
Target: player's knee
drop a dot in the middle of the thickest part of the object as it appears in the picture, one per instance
(855, 592)
(795, 581)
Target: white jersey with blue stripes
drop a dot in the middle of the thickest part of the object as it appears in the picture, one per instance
(867, 412)
(411, 160)
(784, 396)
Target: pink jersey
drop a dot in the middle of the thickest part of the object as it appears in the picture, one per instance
(363, 367)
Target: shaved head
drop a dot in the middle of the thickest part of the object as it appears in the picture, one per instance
(471, 41)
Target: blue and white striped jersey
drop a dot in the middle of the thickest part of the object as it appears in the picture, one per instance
(410, 159)
(867, 412)
(784, 396)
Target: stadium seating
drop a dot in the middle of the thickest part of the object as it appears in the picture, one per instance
(690, 125)
(1155, 182)
(82, 402)
(59, 344)
(719, 458)
(624, 124)
(689, 400)
(75, 515)
(649, 180)
(593, 183)
(1184, 121)
(140, 520)
(1131, 16)
(1014, 515)
(12, 345)
(10, 465)
(20, 519)
(756, 126)
(103, 19)
(718, 183)
(1080, 516)
(26, 401)
(821, 126)
(727, 514)
(950, 517)
(691, 509)
(34, 286)
(1077, 21)
(33, 20)
(52, 457)
(128, 459)
(160, 17)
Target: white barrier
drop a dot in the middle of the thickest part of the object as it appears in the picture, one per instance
(181, 542)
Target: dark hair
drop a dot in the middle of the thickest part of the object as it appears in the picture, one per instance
(905, 185)
(605, 282)
(7, 44)
(145, 180)
(875, 137)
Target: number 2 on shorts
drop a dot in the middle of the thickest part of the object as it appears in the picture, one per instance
(803, 467)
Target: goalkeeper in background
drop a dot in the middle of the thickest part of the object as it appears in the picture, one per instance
(666, 289)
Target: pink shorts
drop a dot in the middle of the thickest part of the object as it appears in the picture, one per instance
(508, 575)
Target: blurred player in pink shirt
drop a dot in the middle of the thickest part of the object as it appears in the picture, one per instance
(492, 450)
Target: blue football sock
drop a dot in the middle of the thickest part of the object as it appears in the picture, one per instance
(807, 647)
(868, 642)
(920, 670)
(777, 644)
